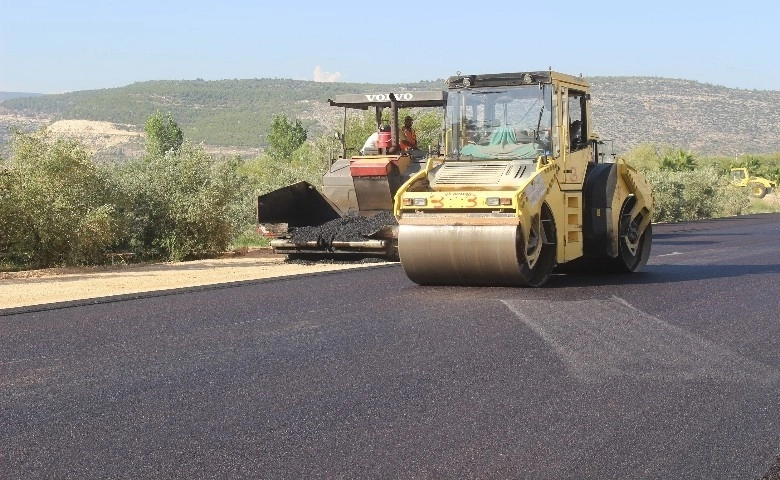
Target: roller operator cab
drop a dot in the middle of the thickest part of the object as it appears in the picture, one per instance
(522, 189)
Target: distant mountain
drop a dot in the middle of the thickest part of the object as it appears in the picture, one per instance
(706, 119)
(9, 95)
(236, 114)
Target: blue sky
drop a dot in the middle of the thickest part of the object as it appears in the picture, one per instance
(60, 46)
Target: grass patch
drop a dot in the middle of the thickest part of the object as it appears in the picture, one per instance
(250, 238)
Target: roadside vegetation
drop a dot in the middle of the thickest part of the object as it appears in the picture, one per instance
(687, 187)
(59, 207)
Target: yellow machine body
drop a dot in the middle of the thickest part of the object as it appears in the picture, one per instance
(522, 189)
(758, 187)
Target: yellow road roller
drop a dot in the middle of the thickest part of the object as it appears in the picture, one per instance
(522, 187)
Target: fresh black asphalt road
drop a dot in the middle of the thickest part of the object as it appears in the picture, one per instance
(673, 373)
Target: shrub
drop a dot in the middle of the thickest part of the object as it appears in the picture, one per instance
(55, 209)
(692, 195)
(308, 163)
(182, 205)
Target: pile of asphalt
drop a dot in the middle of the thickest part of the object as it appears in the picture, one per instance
(352, 228)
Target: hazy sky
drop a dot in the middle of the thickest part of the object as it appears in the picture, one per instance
(59, 46)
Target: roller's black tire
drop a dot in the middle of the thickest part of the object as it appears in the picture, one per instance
(542, 269)
(632, 257)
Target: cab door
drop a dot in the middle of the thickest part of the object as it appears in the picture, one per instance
(576, 153)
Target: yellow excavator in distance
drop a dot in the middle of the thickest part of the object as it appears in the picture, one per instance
(758, 187)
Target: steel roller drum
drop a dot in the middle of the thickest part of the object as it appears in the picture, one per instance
(460, 254)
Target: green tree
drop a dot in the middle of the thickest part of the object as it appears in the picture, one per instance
(427, 125)
(285, 137)
(163, 134)
(678, 161)
(645, 156)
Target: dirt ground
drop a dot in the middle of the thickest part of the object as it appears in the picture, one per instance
(100, 137)
(773, 198)
(38, 287)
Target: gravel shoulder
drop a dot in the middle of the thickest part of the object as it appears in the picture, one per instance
(40, 287)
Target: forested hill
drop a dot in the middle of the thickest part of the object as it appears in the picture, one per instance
(234, 113)
(703, 118)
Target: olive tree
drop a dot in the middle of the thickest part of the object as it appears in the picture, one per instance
(54, 208)
(182, 205)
